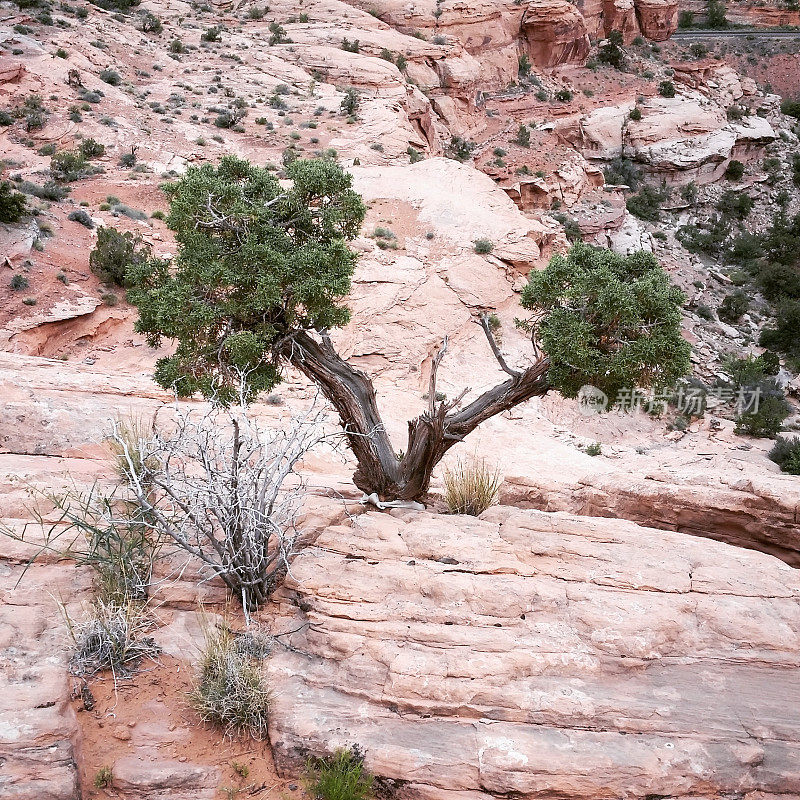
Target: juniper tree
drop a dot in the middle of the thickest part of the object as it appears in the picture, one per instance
(261, 275)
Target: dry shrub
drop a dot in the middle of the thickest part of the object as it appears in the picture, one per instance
(470, 488)
(129, 443)
(113, 637)
(230, 691)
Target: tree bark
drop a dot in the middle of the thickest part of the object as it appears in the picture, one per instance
(380, 470)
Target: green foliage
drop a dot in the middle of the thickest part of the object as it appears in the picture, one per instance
(350, 103)
(151, 23)
(608, 320)
(278, 34)
(636, 114)
(103, 778)
(351, 47)
(115, 5)
(32, 112)
(611, 51)
(685, 19)
(50, 191)
(563, 95)
(767, 421)
(68, 166)
(18, 282)
(12, 203)
(646, 204)
(735, 170)
(785, 336)
(459, 149)
(114, 253)
(594, 449)
(111, 77)
(733, 306)
(90, 149)
(255, 263)
(622, 171)
(791, 107)
(523, 136)
(339, 777)
(763, 405)
(666, 89)
(483, 246)
(213, 34)
(524, 66)
(715, 14)
(735, 204)
(786, 454)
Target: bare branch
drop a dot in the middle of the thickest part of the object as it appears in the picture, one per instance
(484, 320)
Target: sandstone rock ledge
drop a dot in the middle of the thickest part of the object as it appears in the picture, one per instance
(542, 655)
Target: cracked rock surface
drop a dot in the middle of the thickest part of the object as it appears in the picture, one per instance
(542, 655)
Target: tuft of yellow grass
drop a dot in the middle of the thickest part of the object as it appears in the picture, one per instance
(471, 487)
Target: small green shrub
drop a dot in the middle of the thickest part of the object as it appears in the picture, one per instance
(733, 306)
(151, 24)
(666, 89)
(483, 246)
(114, 253)
(81, 217)
(111, 77)
(104, 778)
(339, 777)
(636, 114)
(12, 203)
(735, 170)
(786, 454)
(213, 34)
(68, 166)
(791, 108)
(19, 282)
(646, 204)
(593, 449)
(90, 149)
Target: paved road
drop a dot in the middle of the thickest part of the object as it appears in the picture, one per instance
(756, 33)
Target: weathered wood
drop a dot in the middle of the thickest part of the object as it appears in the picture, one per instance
(430, 435)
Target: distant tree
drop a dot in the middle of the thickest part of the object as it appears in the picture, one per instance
(523, 136)
(715, 14)
(611, 52)
(260, 276)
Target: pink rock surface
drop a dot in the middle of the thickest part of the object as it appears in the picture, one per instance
(541, 654)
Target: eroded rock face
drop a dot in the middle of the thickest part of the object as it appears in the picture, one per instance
(554, 32)
(542, 654)
(682, 138)
(658, 19)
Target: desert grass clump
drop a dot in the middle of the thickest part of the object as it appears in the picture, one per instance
(470, 488)
(113, 637)
(339, 777)
(230, 690)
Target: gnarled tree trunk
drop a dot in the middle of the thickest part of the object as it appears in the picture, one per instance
(380, 470)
